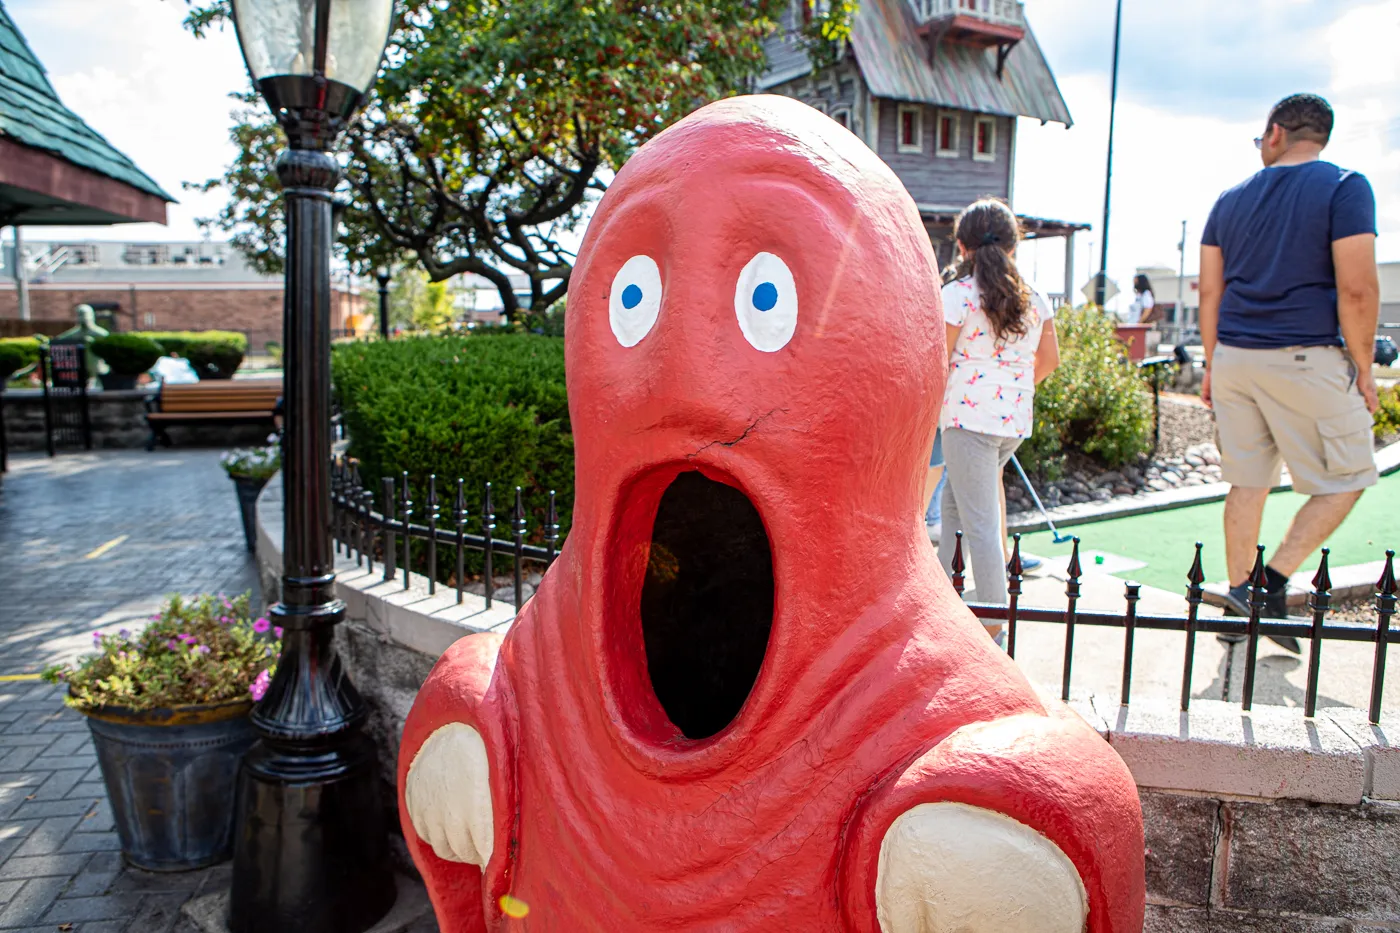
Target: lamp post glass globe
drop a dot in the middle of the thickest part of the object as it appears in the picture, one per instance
(313, 57)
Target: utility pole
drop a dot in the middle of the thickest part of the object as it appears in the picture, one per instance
(1108, 174)
(21, 277)
(1181, 287)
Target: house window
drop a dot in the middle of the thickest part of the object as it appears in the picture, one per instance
(842, 116)
(984, 139)
(148, 319)
(910, 128)
(948, 128)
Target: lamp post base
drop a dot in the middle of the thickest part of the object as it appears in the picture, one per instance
(312, 853)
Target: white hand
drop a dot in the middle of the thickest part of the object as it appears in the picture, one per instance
(448, 794)
(954, 868)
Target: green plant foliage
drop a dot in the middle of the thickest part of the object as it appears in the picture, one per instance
(214, 354)
(127, 354)
(1096, 402)
(1387, 417)
(494, 123)
(15, 354)
(484, 409)
(206, 650)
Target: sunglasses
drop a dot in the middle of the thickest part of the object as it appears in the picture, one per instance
(1258, 142)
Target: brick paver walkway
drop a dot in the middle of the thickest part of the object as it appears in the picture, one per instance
(175, 522)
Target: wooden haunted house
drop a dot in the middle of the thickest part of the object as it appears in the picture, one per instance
(934, 87)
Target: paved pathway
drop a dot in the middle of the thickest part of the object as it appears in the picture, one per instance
(93, 541)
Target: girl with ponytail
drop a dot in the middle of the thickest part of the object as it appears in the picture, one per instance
(1001, 344)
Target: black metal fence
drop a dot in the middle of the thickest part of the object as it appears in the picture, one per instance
(1318, 629)
(360, 530)
(383, 528)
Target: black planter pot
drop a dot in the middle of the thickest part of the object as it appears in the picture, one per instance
(248, 488)
(171, 777)
(117, 381)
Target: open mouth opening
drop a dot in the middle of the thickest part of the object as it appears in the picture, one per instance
(707, 603)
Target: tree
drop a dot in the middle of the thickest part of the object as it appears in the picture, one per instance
(495, 123)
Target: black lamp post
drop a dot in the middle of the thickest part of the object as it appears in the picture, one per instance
(382, 276)
(311, 844)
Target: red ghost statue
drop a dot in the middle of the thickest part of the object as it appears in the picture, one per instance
(745, 697)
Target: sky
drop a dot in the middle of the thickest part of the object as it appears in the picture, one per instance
(1196, 80)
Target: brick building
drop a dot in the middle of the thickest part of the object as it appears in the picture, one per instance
(162, 286)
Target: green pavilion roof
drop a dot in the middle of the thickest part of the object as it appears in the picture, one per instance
(33, 118)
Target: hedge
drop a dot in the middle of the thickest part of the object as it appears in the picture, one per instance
(15, 354)
(1095, 402)
(127, 354)
(214, 354)
(482, 408)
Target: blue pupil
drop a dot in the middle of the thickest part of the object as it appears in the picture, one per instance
(631, 297)
(765, 297)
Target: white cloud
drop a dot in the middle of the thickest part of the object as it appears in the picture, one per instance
(131, 71)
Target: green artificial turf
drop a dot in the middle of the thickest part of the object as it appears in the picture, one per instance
(1165, 540)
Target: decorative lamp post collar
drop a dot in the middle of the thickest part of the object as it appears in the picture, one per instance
(313, 60)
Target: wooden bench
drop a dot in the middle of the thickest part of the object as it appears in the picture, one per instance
(223, 401)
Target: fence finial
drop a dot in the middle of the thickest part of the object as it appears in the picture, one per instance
(1318, 600)
(958, 565)
(1385, 608)
(1257, 596)
(1072, 574)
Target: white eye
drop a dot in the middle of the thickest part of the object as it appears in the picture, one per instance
(635, 300)
(766, 303)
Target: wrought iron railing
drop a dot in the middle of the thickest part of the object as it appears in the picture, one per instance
(382, 528)
(389, 533)
(1318, 629)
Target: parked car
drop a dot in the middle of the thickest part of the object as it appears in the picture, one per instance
(1386, 351)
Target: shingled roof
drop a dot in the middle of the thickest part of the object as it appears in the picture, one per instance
(33, 118)
(895, 62)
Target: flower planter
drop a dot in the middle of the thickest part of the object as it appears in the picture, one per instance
(170, 776)
(248, 488)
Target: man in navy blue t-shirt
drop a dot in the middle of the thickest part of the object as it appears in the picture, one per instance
(1289, 304)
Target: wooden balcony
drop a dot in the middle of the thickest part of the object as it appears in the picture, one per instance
(979, 22)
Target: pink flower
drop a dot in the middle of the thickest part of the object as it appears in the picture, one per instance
(97, 638)
(258, 688)
(202, 649)
(277, 630)
(173, 645)
(261, 625)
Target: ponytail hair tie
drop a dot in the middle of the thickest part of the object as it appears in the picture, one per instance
(990, 239)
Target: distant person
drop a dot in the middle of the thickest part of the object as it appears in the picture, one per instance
(173, 370)
(1289, 304)
(1142, 310)
(1001, 343)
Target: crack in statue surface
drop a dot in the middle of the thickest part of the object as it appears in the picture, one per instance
(755, 423)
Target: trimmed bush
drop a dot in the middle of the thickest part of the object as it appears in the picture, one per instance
(485, 409)
(15, 354)
(214, 354)
(127, 354)
(1096, 402)
(1387, 417)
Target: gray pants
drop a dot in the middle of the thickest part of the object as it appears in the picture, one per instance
(972, 505)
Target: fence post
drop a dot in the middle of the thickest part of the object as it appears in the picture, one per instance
(1073, 572)
(1319, 600)
(517, 530)
(488, 524)
(958, 566)
(1013, 592)
(390, 556)
(1385, 608)
(431, 512)
(1256, 609)
(551, 531)
(1194, 594)
(406, 513)
(1129, 630)
(459, 518)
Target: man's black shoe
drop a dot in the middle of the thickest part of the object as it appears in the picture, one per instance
(1275, 607)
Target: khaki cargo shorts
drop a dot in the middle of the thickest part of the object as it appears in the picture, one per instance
(1295, 404)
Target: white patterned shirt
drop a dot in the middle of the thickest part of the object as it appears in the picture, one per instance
(991, 383)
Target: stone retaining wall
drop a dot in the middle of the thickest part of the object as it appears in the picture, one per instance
(1261, 822)
(118, 421)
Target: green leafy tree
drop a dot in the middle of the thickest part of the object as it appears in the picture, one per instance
(494, 124)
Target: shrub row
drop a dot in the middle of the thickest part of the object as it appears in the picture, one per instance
(15, 354)
(127, 354)
(484, 409)
(214, 354)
